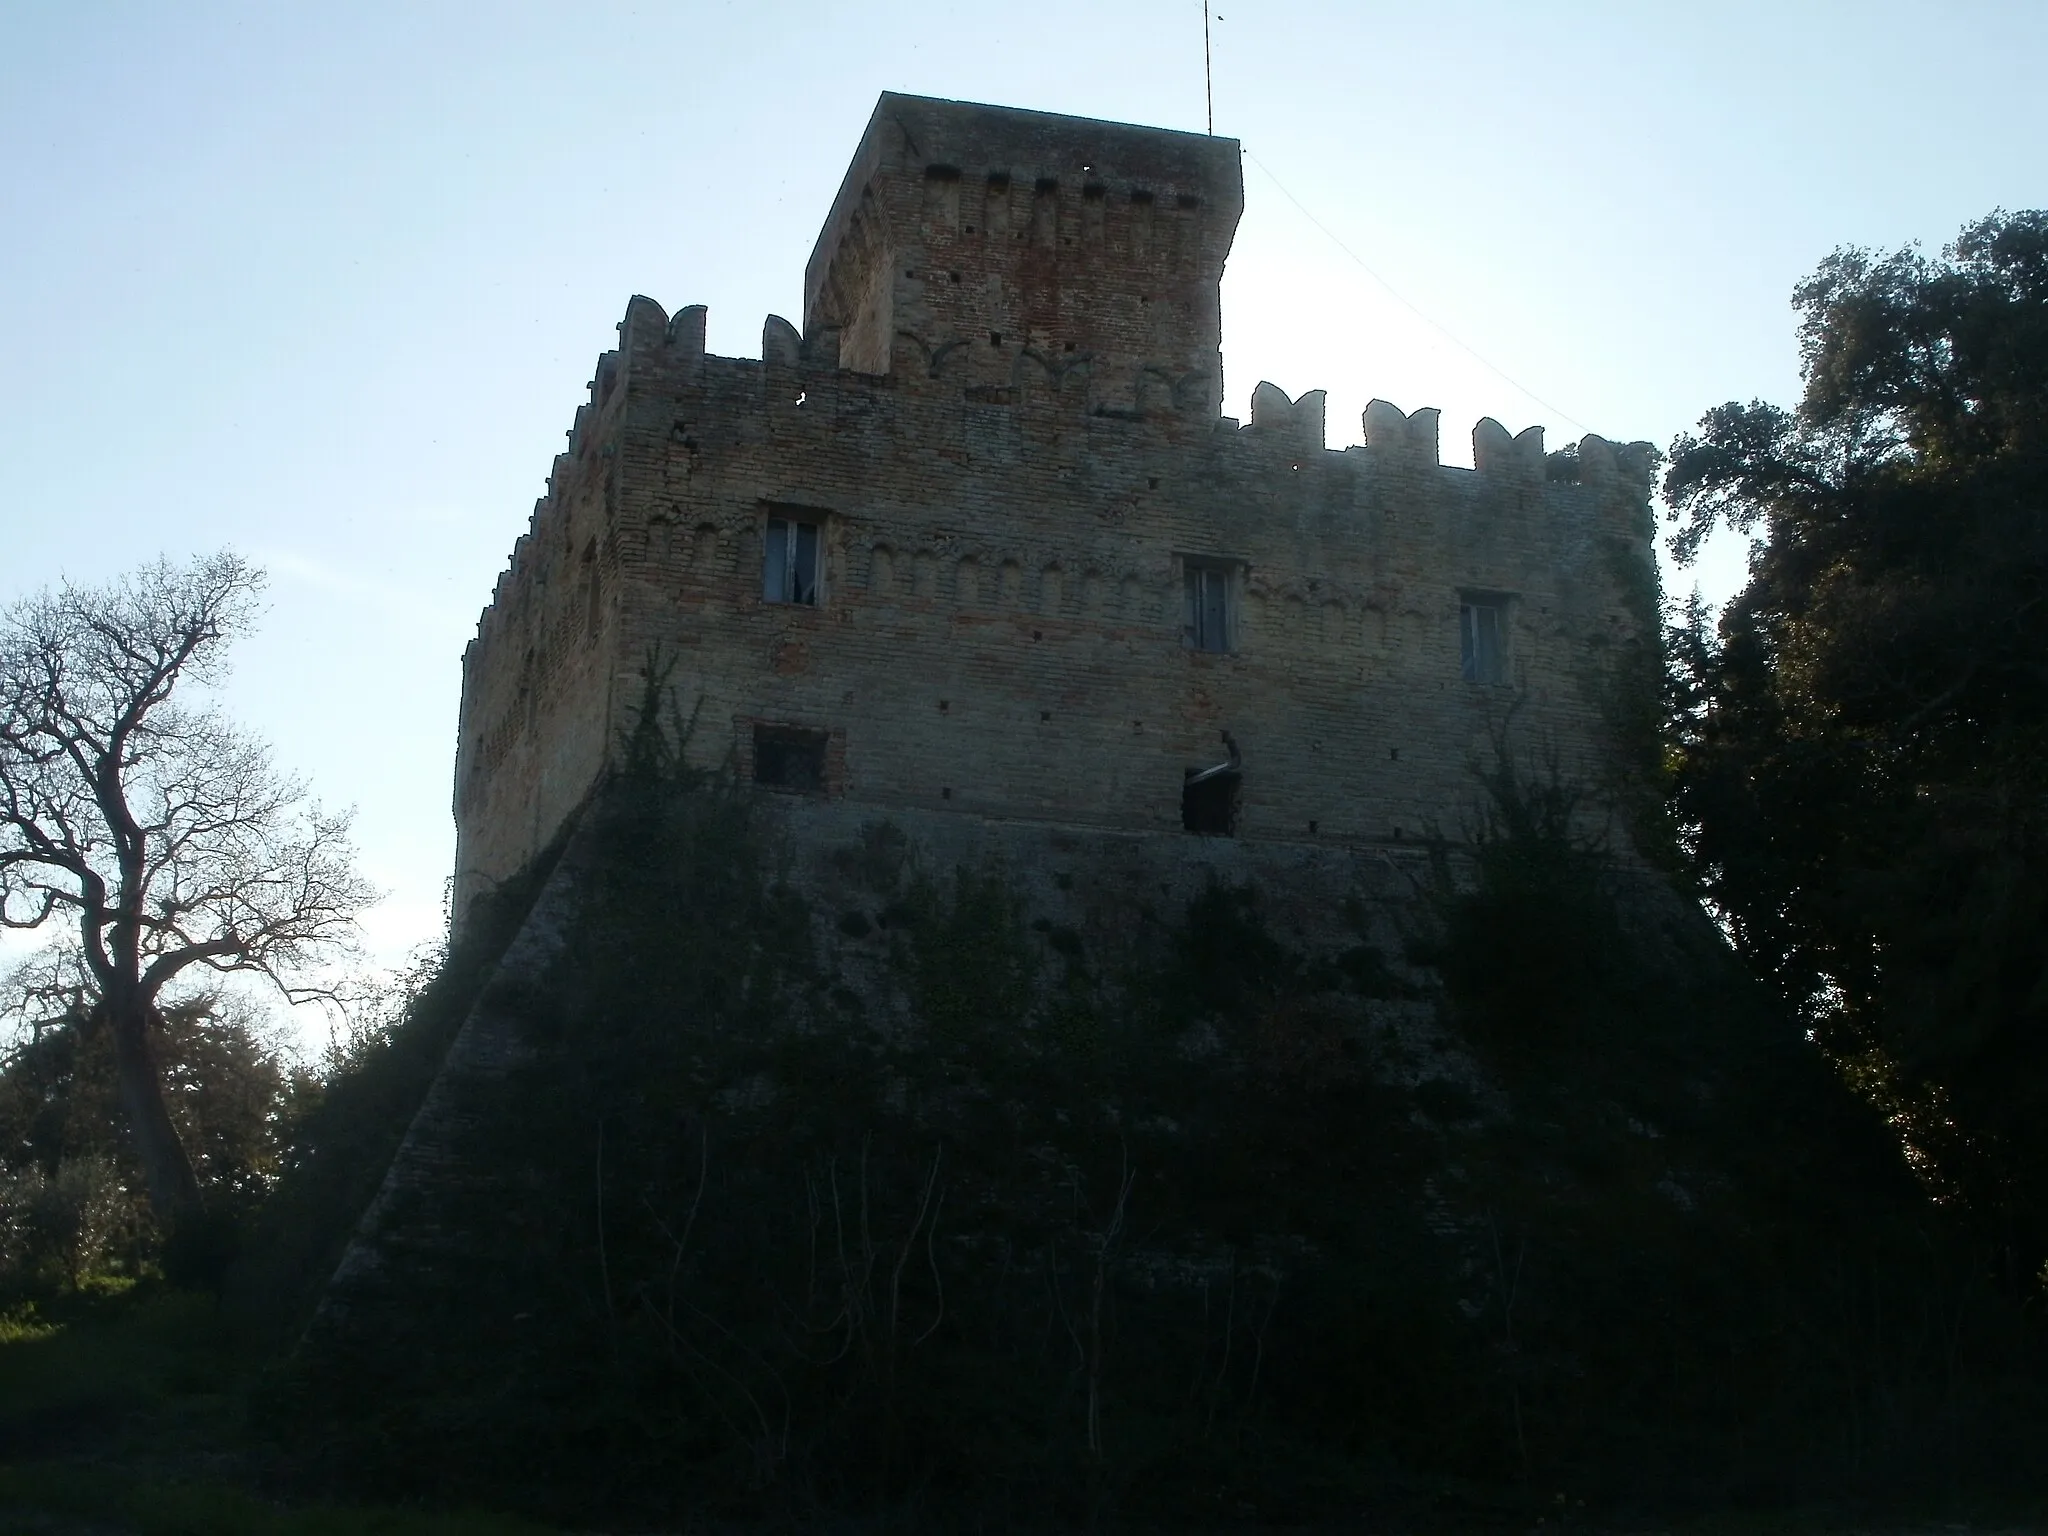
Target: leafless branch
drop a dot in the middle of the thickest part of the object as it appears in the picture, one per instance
(162, 832)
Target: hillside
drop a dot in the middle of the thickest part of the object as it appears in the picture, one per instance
(798, 1165)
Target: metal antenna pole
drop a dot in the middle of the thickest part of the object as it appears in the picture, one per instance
(1208, 78)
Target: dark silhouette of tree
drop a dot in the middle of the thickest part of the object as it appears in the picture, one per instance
(158, 835)
(1862, 748)
(231, 1091)
(233, 1094)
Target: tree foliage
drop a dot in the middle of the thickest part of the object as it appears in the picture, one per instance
(70, 1184)
(156, 836)
(230, 1088)
(1862, 748)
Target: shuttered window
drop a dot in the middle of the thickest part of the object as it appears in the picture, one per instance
(1483, 640)
(1205, 608)
(789, 562)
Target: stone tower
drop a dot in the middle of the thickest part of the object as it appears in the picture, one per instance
(1008, 232)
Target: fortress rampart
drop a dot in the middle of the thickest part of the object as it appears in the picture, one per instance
(976, 540)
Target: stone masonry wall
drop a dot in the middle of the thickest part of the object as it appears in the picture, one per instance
(1000, 630)
(1032, 246)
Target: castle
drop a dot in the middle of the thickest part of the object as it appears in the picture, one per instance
(976, 541)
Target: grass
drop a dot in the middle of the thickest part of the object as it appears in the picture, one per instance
(123, 1413)
(1832, 1522)
(63, 1498)
(87, 1370)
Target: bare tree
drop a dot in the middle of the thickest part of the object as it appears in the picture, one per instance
(161, 832)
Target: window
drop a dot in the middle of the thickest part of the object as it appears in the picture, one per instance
(790, 562)
(1206, 605)
(789, 758)
(1483, 640)
(1208, 807)
(1209, 796)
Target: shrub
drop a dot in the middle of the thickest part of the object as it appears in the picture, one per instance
(60, 1226)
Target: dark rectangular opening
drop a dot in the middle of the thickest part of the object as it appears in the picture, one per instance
(789, 758)
(1208, 803)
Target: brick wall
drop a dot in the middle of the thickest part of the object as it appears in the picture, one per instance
(1026, 246)
(1006, 538)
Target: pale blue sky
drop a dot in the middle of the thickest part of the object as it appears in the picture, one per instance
(325, 283)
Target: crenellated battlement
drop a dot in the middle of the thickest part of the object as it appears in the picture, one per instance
(1496, 452)
(976, 538)
(669, 354)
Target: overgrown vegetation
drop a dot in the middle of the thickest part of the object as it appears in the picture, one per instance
(1176, 1229)
(345, 1126)
(1706, 1258)
(71, 1184)
(1156, 1233)
(1016, 1250)
(129, 1400)
(123, 1410)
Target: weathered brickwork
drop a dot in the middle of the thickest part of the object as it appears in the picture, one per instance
(1001, 417)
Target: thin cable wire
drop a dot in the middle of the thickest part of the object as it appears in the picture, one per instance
(1395, 294)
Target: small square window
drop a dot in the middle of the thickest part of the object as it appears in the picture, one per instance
(1483, 640)
(789, 758)
(1208, 805)
(1206, 604)
(790, 562)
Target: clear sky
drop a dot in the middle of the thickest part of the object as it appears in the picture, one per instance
(325, 282)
